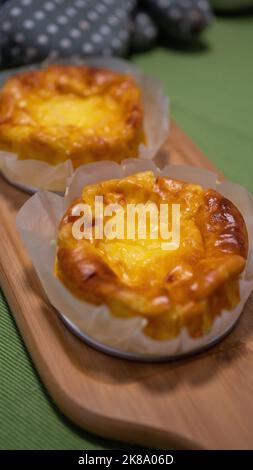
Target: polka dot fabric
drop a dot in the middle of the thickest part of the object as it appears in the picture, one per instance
(32, 30)
(144, 31)
(36, 29)
(179, 19)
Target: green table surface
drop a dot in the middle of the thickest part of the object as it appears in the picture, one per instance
(211, 92)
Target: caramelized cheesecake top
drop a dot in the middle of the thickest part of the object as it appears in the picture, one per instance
(71, 112)
(186, 286)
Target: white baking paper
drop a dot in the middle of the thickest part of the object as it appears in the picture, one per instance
(38, 220)
(32, 175)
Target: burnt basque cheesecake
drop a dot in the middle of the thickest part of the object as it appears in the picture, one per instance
(65, 112)
(185, 287)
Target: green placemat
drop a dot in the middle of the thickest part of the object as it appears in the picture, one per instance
(211, 98)
(212, 94)
(28, 417)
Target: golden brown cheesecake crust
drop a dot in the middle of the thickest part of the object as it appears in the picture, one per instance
(188, 287)
(65, 112)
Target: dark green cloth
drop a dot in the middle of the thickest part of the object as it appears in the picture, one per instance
(211, 94)
(211, 98)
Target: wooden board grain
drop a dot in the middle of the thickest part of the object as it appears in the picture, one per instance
(201, 402)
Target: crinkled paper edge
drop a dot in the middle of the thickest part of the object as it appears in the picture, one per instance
(37, 223)
(32, 175)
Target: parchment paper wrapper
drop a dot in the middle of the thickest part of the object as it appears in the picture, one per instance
(32, 175)
(38, 221)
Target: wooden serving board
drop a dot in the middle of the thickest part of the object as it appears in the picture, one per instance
(201, 402)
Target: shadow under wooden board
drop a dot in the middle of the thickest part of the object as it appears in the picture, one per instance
(201, 402)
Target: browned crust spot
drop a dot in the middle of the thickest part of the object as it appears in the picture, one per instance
(22, 133)
(195, 302)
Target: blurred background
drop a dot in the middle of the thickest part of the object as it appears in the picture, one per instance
(202, 52)
(200, 49)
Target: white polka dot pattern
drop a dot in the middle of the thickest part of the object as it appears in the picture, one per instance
(180, 19)
(145, 33)
(84, 25)
(29, 24)
(62, 20)
(71, 12)
(65, 43)
(15, 12)
(19, 37)
(75, 33)
(49, 6)
(52, 28)
(35, 29)
(88, 48)
(42, 39)
(39, 15)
